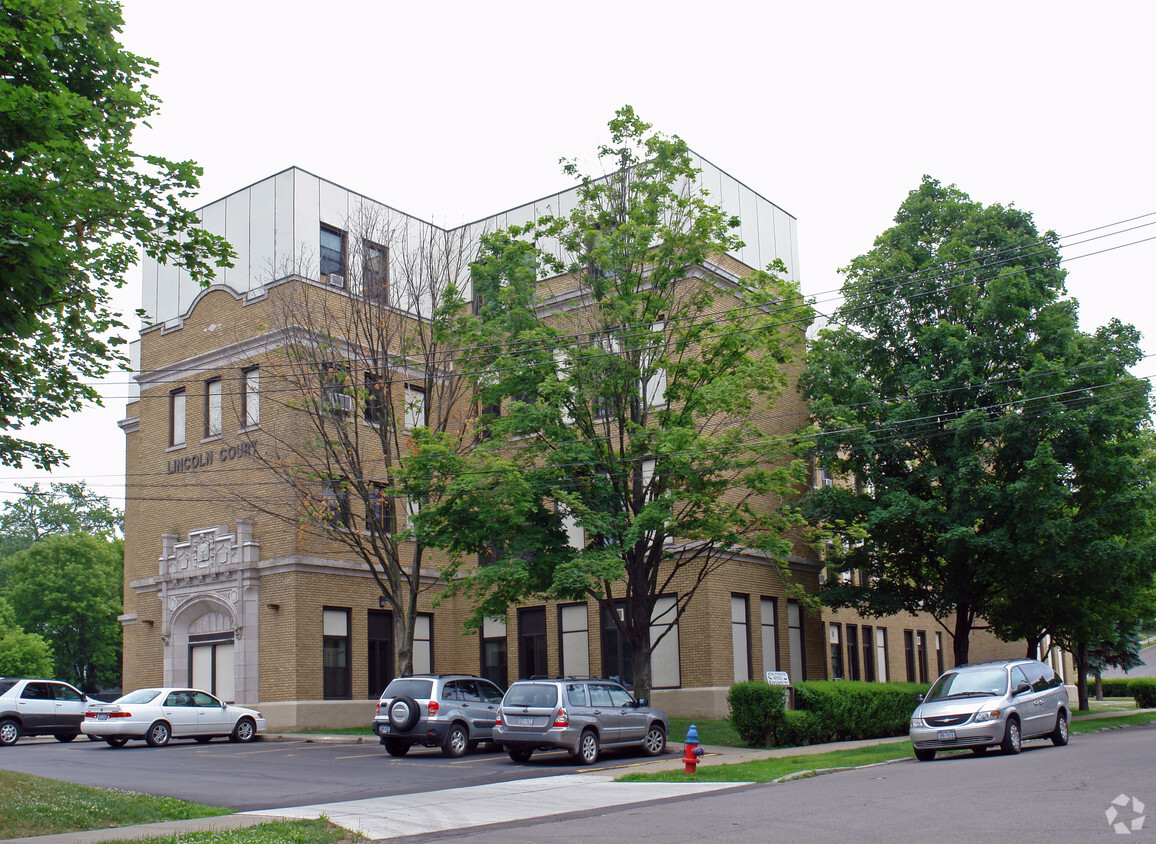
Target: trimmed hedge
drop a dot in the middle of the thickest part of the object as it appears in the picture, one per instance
(824, 711)
(1112, 688)
(1144, 690)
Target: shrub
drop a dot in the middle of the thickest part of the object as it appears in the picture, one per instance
(1117, 687)
(801, 728)
(756, 711)
(1144, 690)
(859, 710)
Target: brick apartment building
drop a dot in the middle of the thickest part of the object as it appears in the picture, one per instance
(224, 592)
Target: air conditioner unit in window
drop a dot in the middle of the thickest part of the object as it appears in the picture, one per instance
(828, 482)
(343, 402)
(336, 280)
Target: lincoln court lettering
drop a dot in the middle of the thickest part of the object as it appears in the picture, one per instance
(205, 459)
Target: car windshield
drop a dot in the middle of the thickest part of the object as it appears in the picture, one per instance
(531, 694)
(988, 681)
(409, 687)
(139, 696)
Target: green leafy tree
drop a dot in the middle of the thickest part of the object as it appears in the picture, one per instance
(21, 654)
(637, 414)
(75, 202)
(67, 589)
(993, 442)
(63, 508)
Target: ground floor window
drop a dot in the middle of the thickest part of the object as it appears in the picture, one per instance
(532, 643)
(379, 651)
(574, 650)
(836, 652)
(768, 611)
(495, 663)
(852, 652)
(921, 652)
(423, 643)
(335, 654)
(665, 658)
(868, 654)
(740, 638)
(881, 654)
(909, 654)
(211, 664)
(617, 655)
(795, 641)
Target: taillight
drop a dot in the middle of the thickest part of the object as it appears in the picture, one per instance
(377, 712)
(561, 719)
(434, 706)
(498, 720)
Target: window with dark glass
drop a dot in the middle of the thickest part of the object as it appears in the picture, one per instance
(379, 509)
(338, 513)
(921, 652)
(335, 654)
(836, 652)
(532, 643)
(795, 642)
(379, 651)
(868, 654)
(336, 388)
(333, 255)
(375, 406)
(495, 663)
(909, 654)
(852, 652)
(375, 272)
(616, 651)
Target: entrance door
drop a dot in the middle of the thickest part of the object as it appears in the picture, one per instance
(211, 667)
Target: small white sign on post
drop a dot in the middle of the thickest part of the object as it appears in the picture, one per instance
(778, 678)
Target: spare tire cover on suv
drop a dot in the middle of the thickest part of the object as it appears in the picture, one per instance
(403, 712)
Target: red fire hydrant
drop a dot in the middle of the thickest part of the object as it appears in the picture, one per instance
(693, 751)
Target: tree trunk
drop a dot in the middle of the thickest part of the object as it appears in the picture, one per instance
(961, 639)
(640, 665)
(1082, 676)
(1099, 686)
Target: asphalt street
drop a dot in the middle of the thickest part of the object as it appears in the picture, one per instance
(1148, 669)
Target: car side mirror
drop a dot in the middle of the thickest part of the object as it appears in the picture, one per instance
(1020, 689)
(919, 698)
(641, 702)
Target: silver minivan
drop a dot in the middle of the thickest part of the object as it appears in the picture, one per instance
(991, 704)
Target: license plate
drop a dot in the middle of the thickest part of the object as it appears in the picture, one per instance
(102, 716)
(522, 721)
(946, 735)
(382, 729)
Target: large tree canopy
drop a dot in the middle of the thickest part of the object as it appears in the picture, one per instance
(75, 203)
(627, 403)
(21, 654)
(63, 508)
(999, 451)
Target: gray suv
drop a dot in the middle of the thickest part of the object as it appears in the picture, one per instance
(991, 704)
(580, 716)
(450, 711)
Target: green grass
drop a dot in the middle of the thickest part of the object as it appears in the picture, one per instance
(336, 731)
(765, 770)
(39, 806)
(1091, 725)
(279, 832)
(719, 732)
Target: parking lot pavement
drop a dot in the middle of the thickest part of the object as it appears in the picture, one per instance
(459, 808)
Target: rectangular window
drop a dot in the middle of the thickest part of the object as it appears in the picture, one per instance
(379, 651)
(337, 513)
(909, 654)
(665, 670)
(177, 417)
(250, 396)
(768, 617)
(868, 654)
(213, 407)
(617, 655)
(333, 256)
(574, 635)
(375, 407)
(852, 652)
(921, 652)
(654, 376)
(423, 643)
(882, 655)
(795, 642)
(415, 410)
(335, 654)
(336, 388)
(938, 654)
(379, 510)
(836, 641)
(375, 272)
(495, 665)
(740, 638)
(532, 643)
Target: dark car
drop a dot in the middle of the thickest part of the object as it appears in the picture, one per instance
(39, 708)
(451, 711)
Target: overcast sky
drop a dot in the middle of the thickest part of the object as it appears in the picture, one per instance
(452, 111)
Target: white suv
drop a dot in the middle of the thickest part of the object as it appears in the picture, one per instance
(39, 708)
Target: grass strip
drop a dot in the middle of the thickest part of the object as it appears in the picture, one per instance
(38, 806)
(276, 832)
(1092, 725)
(766, 770)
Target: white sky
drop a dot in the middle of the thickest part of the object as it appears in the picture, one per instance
(452, 111)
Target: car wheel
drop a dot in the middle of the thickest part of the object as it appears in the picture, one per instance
(655, 742)
(91, 737)
(396, 748)
(245, 730)
(456, 743)
(587, 748)
(64, 737)
(1060, 733)
(116, 741)
(203, 739)
(159, 734)
(403, 712)
(1012, 742)
(520, 754)
(9, 732)
(924, 755)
